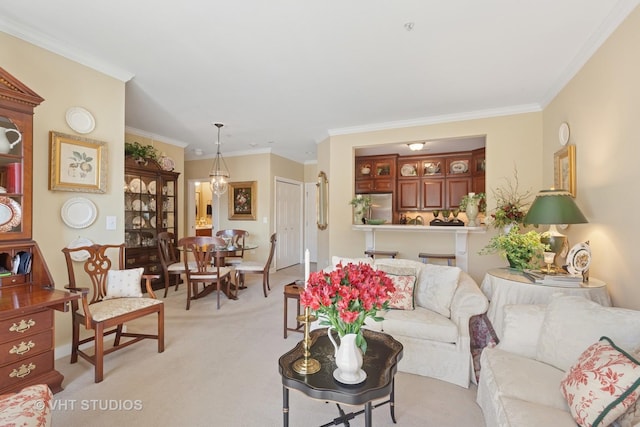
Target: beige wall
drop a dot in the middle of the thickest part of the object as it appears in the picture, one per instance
(63, 84)
(512, 142)
(601, 105)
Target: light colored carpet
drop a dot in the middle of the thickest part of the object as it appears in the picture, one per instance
(220, 368)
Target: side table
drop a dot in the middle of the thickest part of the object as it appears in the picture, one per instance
(504, 286)
(380, 364)
(293, 290)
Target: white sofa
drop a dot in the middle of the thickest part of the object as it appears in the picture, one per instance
(435, 334)
(520, 379)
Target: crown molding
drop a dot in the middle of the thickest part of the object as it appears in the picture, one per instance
(40, 39)
(445, 118)
(155, 137)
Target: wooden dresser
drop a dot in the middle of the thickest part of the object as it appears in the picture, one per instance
(28, 297)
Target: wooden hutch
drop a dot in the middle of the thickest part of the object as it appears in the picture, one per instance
(27, 293)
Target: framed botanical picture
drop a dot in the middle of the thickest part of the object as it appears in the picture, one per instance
(242, 200)
(565, 169)
(77, 164)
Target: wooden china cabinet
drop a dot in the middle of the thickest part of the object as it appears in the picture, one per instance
(27, 293)
(151, 207)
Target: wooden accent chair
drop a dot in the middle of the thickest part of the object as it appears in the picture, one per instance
(236, 239)
(172, 267)
(250, 267)
(202, 269)
(115, 298)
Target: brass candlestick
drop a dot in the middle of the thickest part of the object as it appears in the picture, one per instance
(306, 365)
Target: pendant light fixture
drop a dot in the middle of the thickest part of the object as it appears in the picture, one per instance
(219, 174)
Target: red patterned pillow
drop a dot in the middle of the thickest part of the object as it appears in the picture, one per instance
(404, 279)
(601, 385)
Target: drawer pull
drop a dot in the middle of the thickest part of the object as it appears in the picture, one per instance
(22, 348)
(23, 326)
(22, 371)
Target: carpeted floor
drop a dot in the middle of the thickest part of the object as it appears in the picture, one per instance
(220, 368)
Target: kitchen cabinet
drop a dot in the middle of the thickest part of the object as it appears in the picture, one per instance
(151, 206)
(478, 170)
(375, 174)
(27, 292)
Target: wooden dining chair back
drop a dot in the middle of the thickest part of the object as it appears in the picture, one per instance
(111, 298)
(251, 267)
(236, 239)
(172, 267)
(205, 267)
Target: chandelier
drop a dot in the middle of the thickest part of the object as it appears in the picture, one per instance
(219, 172)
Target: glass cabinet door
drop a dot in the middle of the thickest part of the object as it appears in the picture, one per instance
(141, 211)
(12, 191)
(169, 207)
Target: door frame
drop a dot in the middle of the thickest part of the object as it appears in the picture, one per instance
(191, 211)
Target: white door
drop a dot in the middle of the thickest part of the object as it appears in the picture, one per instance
(288, 201)
(310, 224)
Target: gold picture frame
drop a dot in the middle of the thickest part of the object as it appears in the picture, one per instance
(77, 164)
(242, 200)
(565, 169)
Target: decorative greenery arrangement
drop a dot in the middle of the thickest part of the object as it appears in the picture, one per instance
(361, 204)
(346, 296)
(511, 205)
(140, 151)
(477, 198)
(522, 250)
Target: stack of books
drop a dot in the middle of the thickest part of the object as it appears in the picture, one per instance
(560, 279)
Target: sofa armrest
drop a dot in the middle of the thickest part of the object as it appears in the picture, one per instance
(468, 301)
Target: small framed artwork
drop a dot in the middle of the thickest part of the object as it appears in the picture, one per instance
(242, 200)
(565, 169)
(77, 164)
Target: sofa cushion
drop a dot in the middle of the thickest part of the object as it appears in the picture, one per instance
(519, 377)
(602, 384)
(521, 328)
(436, 286)
(404, 280)
(572, 323)
(420, 323)
(523, 413)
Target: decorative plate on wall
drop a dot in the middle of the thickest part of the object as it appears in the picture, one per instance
(80, 120)
(79, 212)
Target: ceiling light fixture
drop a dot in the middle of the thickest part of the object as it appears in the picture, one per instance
(416, 146)
(219, 172)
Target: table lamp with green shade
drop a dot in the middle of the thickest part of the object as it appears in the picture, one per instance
(554, 207)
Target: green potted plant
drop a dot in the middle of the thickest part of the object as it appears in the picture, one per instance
(140, 152)
(522, 250)
(361, 205)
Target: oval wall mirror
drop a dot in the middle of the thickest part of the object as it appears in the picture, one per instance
(322, 202)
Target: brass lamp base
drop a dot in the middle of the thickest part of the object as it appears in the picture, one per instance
(306, 365)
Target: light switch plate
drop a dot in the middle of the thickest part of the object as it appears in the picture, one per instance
(111, 222)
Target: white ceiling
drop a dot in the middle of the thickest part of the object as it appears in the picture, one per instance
(284, 74)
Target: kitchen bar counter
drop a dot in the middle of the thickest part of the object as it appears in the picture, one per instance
(461, 235)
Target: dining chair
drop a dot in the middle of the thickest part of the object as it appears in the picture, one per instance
(202, 269)
(236, 239)
(172, 267)
(252, 267)
(115, 298)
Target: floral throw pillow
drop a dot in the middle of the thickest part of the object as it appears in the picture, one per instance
(601, 385)
(124, 283)
(404, 280)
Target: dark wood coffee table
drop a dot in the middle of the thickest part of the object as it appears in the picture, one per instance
(380, 364)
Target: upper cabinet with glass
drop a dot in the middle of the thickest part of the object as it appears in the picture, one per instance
(17, 103)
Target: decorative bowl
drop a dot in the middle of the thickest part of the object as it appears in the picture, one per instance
(376, 221)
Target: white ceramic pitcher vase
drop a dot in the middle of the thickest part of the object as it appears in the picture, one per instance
(5, 145)
(348, 359)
